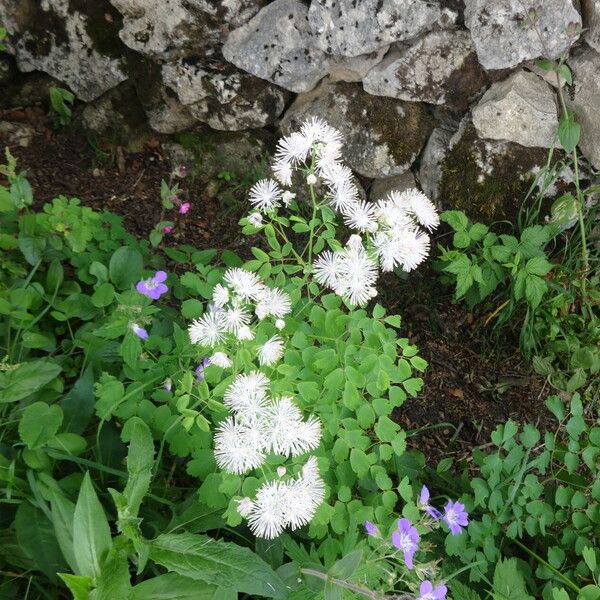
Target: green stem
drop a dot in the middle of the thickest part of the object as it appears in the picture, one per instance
(345, 584)
(584, 250)
(562, 577)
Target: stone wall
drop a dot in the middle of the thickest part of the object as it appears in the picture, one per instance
(444, 92)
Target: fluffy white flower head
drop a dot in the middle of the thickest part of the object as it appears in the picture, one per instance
(245, 284)
(265, 195)
(208, 330)
(271, 351)
(220, 296)
(220, 359)
(238, 448)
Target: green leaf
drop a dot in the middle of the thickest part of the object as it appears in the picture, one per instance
(346, 566)
(79, 585)
(461, 592)
(91, 532)
(191, 308)
(456, 219)
(589, 556)
(359, 462)
(530, 436)
(566, 74)
(103, 296)
(556, 407)
(461, 239)
(125, 267)
(216, 562)
(78, 404)
(509, 583)
(35, 535)
(399, 443)
(569, 132)
(114, 583)
(140, 460)
(538, 265)
(63, 512)
(478, 231)
(535, 288)
(26, 379)
(386, 429)
(171, 586)
(39, 423)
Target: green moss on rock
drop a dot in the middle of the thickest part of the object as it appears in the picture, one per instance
(488, 179)
(403, 126)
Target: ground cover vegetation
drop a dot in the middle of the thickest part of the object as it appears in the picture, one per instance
(182, 422)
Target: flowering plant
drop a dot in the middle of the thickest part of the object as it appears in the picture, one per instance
(245, 323)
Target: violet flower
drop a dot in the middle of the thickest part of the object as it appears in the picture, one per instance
(139, 331)
(428, 592)
(406, 538)
(154, 287)
(200, 369)
(423, 503)
(184, 208)
(167, 229)
(371, 529)
(455, 517)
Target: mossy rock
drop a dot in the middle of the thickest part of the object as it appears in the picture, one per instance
(488, 179)
(383, 136)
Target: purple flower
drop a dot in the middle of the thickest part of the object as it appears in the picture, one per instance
(455, 517)
(139, 331)
(428, 592)
(180, 171)
(200, 369)
(371, 529)
(154, 287)
(184, 208)
(406, 538)
(167, 229)
(434, 513)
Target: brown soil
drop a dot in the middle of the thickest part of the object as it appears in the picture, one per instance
(471, 385)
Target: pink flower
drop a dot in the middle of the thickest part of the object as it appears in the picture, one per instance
(167, 229)
(184, 208)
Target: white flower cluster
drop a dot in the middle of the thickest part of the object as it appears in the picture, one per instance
(261, 425)
(235, 303)
(392, 228)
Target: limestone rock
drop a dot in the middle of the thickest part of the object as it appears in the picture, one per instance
(172, 28)
(430, 171)
(350, 28)
(210, 153)
(226, 98)
(507, 32)
(520, 109)
(591, 22)
(439, 68)
(79, 47)
(488, 179)
(165, 113)
(279, 46)
(355, 68)
(585, 101)
(117, 114)
(383, 136)
(380, 188)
